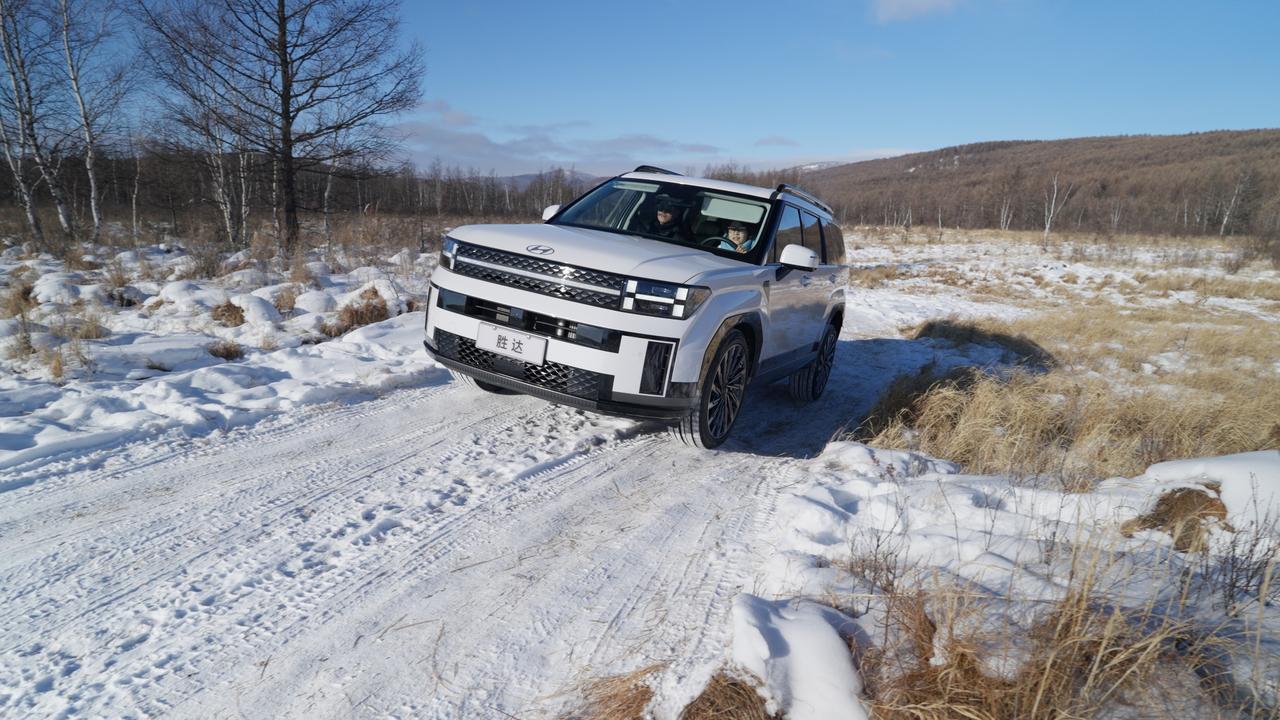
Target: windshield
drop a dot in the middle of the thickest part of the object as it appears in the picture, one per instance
(723, 223)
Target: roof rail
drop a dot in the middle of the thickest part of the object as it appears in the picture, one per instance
(655, 169)
(784, 187)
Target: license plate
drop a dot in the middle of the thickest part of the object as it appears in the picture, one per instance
(513, 344)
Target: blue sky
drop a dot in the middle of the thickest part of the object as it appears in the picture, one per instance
(516, 87)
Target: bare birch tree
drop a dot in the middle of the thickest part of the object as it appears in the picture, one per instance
(1051, 204)
(34, 127)
(294, 73)
(96, 84)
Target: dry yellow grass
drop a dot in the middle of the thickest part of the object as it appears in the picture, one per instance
(371, 309)
(1076, 429)
(872, 277)
(727, 698)
(932, 656)
(285, 299)
(227, 314)
(1183, 514)
(1124, 389)
(1081, 656)
(226, 349)
(617, 697)
(1216, 286)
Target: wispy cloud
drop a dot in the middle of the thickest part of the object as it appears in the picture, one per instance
(893, 10)
(515, 149)
(776, 140)
(447, 113)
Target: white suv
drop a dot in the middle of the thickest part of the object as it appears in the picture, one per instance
(652, 296)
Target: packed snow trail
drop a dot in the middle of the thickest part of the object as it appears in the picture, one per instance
(435, 552)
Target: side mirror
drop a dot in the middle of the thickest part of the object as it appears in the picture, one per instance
(799, 257)
(550, 212)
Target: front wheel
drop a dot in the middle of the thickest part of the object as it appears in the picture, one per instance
(808, 382)
(722, 393)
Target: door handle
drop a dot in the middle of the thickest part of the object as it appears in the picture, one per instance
(832, 277)
(805, 280)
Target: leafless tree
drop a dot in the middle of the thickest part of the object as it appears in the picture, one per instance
(1051, 204)
(287, 76)
(97, 81)
(34, 127)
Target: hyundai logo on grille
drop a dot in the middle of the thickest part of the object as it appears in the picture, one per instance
(540, 249)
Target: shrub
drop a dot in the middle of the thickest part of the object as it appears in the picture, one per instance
(18, 301)
(205, 248)
(228, 314)
(227, 350)
(285, 299)
(1083, 655)
(357, 315)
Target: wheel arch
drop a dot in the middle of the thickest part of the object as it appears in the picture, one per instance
(750, 325)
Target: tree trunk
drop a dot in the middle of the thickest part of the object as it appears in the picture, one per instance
(288, 172)
(23, 190)
(86, 123)
(133, 201)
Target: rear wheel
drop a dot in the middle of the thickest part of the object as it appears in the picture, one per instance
(722, 393)
(808, 383)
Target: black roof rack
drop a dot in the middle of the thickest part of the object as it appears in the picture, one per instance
(784, 187)
(655, 169)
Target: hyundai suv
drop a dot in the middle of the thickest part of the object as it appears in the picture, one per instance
(653, 296)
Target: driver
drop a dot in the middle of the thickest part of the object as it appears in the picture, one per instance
(738, 238)
(666, 223)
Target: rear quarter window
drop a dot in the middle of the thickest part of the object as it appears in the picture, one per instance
(833, 238)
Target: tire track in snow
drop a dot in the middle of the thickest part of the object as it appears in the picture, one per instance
(497, 421)
(306, 487)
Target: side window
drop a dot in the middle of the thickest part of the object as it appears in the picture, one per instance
(788, 233)
(813, 236)
(608, 212)
(834, 240)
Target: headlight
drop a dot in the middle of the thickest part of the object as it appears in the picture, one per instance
(663, 299)
(448, 252)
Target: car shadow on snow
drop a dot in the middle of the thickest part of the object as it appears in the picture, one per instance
(772, 424)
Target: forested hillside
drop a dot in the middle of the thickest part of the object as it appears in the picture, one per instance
(1214, 183)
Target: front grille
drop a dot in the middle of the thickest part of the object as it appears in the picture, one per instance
(520, 282)
(543, 267)
(552, 285)
(552, 376)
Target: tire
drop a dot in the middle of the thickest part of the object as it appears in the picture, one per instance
(487, 387)
(723, 390)
(808, 383)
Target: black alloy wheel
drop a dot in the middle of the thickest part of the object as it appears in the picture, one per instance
(722, 395)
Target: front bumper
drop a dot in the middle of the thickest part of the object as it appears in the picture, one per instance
(672, 410)
(586, 366)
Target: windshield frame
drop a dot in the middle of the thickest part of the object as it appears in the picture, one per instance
(753, 257)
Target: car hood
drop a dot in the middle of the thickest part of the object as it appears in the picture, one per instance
(598, 250)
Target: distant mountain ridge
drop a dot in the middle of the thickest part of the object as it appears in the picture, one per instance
(1222, 182)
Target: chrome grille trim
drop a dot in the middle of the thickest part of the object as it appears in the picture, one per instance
(596, 279)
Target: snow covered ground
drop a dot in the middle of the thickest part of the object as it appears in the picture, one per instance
(332, 527)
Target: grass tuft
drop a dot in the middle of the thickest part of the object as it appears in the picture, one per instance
(618, 697)
(227, 350)
(357, 315)
(727, 698)
(1183, 513)
(228, 314)
(285, 300)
